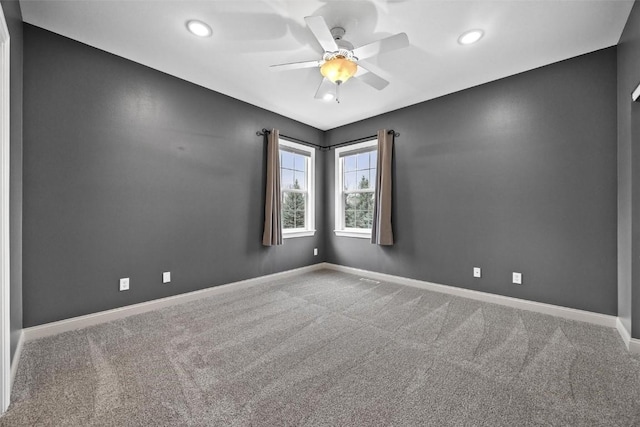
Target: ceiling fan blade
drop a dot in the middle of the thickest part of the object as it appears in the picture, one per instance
(371, 78)
(325, 87)
(295, 65)
(388, 44)
(319, 29)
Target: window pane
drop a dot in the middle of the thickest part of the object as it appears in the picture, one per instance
(358, 210)
(293, 210)
(364, 219)
(359, 219)
(300, 219)
(349, 163)
(373, 161)
(350, 219)
(350, 182)
(286, 179)
(286, 160)
(365, 202)
(372, 178)
(351, 201)
(300, 180)
(299, 162)
(363, 180)
(288, 214)
(363, 161)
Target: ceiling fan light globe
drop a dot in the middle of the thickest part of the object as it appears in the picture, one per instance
(338, 70)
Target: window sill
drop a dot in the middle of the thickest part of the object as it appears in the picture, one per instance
(293, 234)
(357, 234)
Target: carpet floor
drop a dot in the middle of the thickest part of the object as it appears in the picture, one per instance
(333, 349)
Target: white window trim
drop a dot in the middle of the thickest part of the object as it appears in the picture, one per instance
(311, 186)
(340, 230)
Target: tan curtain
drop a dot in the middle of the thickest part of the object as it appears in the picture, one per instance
(272, 205)
(381, 231)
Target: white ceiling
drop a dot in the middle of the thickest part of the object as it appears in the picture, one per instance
(250, 35)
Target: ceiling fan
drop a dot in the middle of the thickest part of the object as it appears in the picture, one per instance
(340, 59)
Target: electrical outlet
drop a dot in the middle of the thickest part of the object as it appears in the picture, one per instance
(124, 284)
(315, 251)
(166, 277)
(517, 278)
(477, 272)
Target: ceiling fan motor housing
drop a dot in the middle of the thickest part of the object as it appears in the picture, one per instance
(338, 35)
(340, 53)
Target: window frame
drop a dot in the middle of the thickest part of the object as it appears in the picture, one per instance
(341, 152)
(310, 216)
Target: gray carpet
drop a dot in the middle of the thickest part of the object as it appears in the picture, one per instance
(328, 348)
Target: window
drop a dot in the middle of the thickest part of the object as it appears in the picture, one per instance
(297, 186)
(355, 188)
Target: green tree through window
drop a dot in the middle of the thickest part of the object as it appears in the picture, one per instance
(293, 208)
(359, 206)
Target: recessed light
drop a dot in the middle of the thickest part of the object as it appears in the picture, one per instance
(199, 28)
(328, 96)
(470, 37)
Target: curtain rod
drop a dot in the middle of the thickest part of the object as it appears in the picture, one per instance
(264, 132)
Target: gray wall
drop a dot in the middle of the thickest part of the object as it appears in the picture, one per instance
(515, 175)
(628, 173)
(13, 16)
(129, 172)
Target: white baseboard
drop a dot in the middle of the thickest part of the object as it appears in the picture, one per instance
(16, 360)
(539, 307)
(28, 334)
(80, 322)
(624, 333)
(632, 344)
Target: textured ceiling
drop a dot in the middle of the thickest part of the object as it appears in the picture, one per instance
(248, 36)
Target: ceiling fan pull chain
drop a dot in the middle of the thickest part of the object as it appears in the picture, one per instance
(338, 92)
